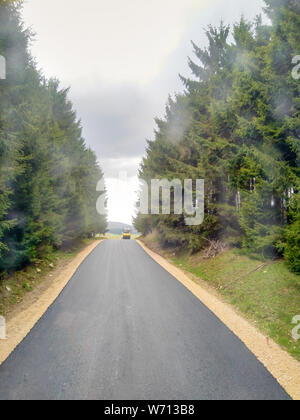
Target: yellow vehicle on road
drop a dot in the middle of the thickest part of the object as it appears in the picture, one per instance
(126, 234)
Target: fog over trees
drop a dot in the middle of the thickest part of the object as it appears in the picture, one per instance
(237, 126)
(48, 176)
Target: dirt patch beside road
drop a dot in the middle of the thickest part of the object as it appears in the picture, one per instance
(26, 314)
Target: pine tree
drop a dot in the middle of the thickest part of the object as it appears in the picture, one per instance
(48, 176)
(236, 126)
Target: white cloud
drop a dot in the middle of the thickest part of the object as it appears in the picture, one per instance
(112, 167)
(114, 41)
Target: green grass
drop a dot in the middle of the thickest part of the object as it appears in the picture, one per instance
(270, 296)
(14, 287)
(264, 291)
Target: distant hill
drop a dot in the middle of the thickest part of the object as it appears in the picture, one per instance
(117, 228)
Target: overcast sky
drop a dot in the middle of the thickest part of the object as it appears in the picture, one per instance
(121, 59)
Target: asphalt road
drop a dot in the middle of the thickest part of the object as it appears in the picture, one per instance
(124, 328)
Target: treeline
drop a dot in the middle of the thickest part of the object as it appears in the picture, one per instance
(48, 176)
(237, 126)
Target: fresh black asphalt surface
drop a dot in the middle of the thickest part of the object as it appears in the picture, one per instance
(124, 328)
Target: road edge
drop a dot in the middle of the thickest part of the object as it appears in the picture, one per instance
(20, 325)
(283, 367)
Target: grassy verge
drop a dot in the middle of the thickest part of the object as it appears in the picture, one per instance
(14, 287)
(265, 292)
(119, 237)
